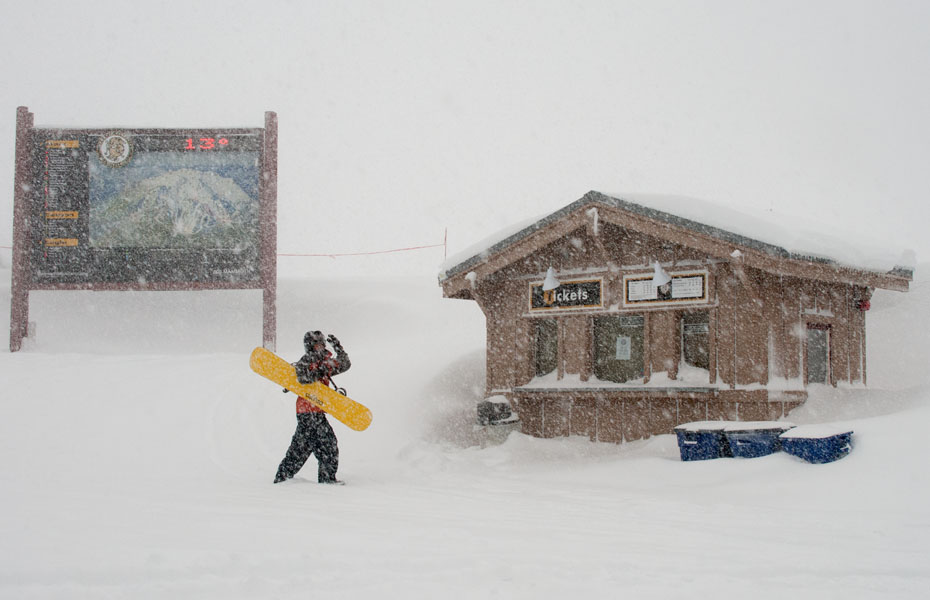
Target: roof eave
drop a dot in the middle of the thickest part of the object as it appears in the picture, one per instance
(720, 243)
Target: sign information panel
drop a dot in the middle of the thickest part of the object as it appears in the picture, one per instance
(144, 209)
(684, 288)
(143, 206)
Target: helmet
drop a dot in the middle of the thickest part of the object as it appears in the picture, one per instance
(313, 338)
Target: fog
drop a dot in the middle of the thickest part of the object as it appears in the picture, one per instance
(399, 121)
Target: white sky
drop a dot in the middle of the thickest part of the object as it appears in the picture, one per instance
(399, 119)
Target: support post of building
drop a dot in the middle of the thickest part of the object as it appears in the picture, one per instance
(19, 285)
(269, 231)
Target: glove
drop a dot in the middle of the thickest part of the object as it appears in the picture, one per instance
(333, 341)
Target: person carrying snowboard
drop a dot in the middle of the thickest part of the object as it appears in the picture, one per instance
(314, 435)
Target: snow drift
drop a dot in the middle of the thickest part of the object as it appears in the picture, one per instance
(138, 451)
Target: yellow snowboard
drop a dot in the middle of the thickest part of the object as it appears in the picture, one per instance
(273, 367)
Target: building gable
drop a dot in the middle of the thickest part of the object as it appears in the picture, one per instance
(601, 217)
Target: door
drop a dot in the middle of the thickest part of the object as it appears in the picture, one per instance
(618, 348)
(818, 353)
(695, 339)
(546, 346)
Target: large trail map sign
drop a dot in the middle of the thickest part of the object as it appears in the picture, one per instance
(144, 209)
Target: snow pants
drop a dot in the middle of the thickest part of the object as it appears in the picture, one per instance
(314, 435)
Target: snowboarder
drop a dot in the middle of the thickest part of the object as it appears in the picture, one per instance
(314, 435)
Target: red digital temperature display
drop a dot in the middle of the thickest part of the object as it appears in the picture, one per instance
(205, 143)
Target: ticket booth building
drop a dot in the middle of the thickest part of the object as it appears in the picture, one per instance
(617, 321)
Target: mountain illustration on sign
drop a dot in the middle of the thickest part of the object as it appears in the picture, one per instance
(182, 208)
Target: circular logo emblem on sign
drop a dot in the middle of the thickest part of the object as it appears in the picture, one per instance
(114, 150)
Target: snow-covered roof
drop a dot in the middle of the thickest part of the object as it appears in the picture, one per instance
(775, 234)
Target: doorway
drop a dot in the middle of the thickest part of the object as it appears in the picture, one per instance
(818, 353)
(618, 348)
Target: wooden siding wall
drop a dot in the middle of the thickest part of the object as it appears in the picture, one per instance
(758, 321)
(792, 304)
(758, 326)
(506, 354)
(575, 346)
(627, 416)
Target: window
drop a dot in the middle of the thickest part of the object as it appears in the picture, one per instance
(618, 348)
(695, 339)
(818, 353)
(546, 346)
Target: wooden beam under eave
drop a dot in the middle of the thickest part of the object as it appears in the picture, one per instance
(597, 238)
(515, 252)
(750, 256)
(457, 287)
(667, 232)
(531, 244)
(825, 272)
(739, 269)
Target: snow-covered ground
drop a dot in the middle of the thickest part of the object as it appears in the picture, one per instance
(137, 451)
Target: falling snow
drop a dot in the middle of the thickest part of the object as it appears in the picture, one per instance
(145, 470)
